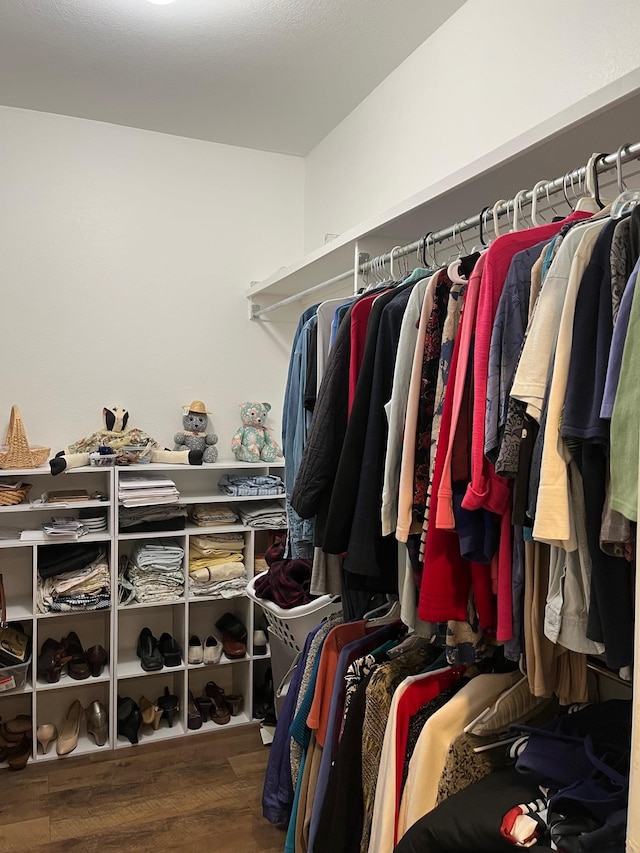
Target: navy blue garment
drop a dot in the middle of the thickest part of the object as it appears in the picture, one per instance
(277, 793)
(477, 530)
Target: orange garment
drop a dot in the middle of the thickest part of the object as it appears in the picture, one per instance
(336, 639)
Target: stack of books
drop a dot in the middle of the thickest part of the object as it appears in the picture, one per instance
(146, 490)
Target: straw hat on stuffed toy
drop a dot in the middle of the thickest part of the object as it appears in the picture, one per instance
(197, 406)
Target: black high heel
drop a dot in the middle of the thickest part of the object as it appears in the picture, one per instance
(129, 719)
(168, 703)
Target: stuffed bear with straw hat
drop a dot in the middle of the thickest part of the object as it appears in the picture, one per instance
(195, 436)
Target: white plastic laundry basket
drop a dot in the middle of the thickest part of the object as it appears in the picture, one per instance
(292, 626)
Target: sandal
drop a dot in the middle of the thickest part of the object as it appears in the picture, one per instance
(220, 711)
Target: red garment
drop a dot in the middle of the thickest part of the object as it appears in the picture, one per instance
(487, 489)
(417, 694)
(359, 319)
(447, 577)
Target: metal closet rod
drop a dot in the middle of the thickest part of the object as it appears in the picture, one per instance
(603, 164)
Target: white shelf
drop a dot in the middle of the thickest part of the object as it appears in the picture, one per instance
(56, 505)
(118, 626)
(129, 667)
(67, 681)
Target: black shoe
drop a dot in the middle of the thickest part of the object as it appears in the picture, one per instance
(129, 719)
(168, 704)
(148, 651)
(194, 715)
(170, 650)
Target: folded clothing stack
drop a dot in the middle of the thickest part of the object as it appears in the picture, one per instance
(265, 515)
(212, 515)
(145, 519)
(216, 568)
(154, 572)
(84, 585)
(147, 489)
(243, 486)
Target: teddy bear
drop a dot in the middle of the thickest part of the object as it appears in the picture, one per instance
(116, 436)
(252, 442)
(195, 435)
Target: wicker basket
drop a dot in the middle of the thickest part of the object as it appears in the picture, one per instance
(17, 453)
(10, 497)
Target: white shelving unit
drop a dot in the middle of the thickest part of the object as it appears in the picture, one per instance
(118, 628)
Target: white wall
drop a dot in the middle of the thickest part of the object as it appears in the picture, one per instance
(124, 256)
(495, 69)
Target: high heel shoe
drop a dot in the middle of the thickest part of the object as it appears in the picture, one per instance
(70, 731)
(150, 713)
(234, 703)
(148, 651)
(194, 715)
(50, 663)
(170, 650)
(168, 702)
(97, 724)
(46, 734)
(220, 711)
(129, 719)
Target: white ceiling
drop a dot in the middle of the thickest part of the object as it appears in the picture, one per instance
(271, 74)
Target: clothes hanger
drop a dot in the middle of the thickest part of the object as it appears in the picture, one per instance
(391, 270)
(549, 203)
(482, 230)
(518, 214)
(425, 242)
(564, 191)
(534, 203)
(591, 203)
(494, 212)
(385, 614)
(627, 199)
(469, 728)
(453, 270)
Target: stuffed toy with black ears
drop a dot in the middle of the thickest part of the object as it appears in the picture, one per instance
(117, 435)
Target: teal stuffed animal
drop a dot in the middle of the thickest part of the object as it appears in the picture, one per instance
(252, 442)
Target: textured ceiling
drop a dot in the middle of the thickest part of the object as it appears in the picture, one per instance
(270, 74)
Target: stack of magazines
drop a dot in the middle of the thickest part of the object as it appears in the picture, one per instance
(147, 489)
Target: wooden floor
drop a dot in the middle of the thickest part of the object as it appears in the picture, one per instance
(201, 793)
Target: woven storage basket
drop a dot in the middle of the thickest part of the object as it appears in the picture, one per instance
(17, 453)
(10, 497)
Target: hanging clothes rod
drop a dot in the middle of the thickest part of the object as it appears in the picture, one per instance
(605, 673)
(605, 163)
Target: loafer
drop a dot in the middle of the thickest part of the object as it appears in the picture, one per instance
(170, 650)
(195, 653)
(148, 651)
(234, 636)
(212, 650)
(78, 667)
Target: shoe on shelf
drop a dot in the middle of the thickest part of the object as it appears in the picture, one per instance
(234, 636)
(96, 658)
(234, 702)
(148, 651)
(150, 713)
(18, 755)
(97, 722)
(46, 734)
(20, 725)
(195, 653)
(170, 650)
(212, 650)
(129, 719)
(169, 705)
(220, 711)
(194, 715)
(70, 731)
(50, 663)
(259, 642)
(205, 706)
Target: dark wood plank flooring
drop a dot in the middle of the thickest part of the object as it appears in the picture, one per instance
(201, 793)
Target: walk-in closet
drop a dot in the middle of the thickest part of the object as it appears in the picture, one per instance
(320, 450)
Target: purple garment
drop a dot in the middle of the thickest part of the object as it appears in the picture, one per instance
(350, 652)
(617, 346)
(277, 793)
